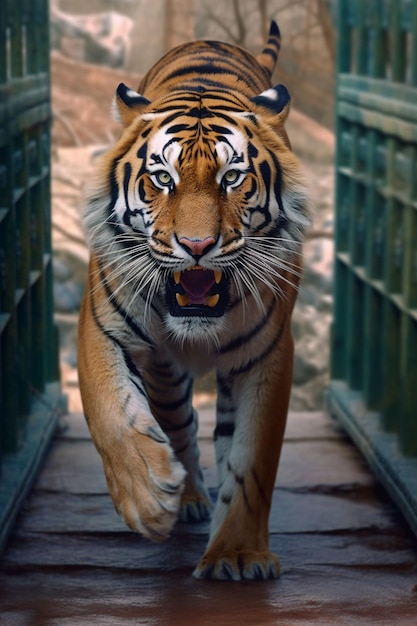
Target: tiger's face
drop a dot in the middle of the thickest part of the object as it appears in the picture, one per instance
(198, 188)
(206, 206)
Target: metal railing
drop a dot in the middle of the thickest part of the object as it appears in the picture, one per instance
(374, 341)
(29, 372)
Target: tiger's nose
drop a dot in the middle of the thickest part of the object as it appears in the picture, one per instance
(197, 247)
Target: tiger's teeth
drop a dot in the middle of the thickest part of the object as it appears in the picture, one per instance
(217, 276)
(211, 301)
(182, 299)
(177, 277)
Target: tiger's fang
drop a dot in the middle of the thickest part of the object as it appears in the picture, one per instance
(211, 301)
(182, 299)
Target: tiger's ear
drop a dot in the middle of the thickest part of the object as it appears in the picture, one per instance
(127, 104)
(275, 100)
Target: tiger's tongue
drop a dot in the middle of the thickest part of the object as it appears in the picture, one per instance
(197, 284)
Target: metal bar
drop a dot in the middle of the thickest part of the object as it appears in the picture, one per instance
(408, 418)
(23, 355)
(362, 40)
(413, 46)
(409, 287)
(17, 56)
(391, 373)
(344, 41)
(398, 44)
(9, 402)
(338, 339)
(377, 39)
(3, 44)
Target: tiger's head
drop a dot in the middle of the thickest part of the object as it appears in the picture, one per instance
(200, 205)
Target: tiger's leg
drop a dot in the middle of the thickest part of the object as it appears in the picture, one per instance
(248, 455)
(144, 478)
(170, 397)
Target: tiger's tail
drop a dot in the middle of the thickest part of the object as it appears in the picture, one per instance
(269, 55)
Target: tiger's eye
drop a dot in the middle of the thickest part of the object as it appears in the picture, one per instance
(163, 178)
(231, 177)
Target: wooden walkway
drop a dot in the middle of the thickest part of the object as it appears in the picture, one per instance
(346, 555)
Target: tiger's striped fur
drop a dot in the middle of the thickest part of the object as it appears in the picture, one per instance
(195, 223)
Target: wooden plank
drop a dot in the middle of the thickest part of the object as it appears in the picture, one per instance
(326, 463)
(73, 426)
(74, 466)
(306, 426)
(68, 513)
(300, 425)
(131, 552)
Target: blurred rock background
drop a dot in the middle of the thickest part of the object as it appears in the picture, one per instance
(109, 41)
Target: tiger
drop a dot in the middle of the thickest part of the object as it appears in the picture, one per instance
(195, 220)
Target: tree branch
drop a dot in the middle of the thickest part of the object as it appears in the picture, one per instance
(327, 28)
(229, 33)
(241, 28)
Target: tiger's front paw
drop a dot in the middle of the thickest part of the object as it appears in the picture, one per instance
(238, 565)
(145, 482)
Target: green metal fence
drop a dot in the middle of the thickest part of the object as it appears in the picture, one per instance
(29, 387)
(374, 342)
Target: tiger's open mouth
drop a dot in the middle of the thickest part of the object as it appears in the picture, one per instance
(197, 292)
